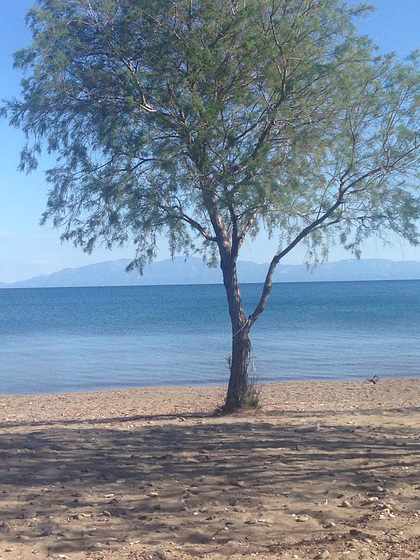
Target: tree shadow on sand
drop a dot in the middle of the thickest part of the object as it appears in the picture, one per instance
(193, 481)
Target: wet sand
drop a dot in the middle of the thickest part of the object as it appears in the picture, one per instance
(322, 470)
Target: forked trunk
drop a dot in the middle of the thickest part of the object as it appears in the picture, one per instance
(241, 344)
(239, 388)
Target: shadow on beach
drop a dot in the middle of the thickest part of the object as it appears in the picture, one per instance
(202, 482)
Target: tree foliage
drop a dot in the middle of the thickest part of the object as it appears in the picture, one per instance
(203, 120)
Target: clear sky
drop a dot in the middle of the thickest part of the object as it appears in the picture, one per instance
(28, 250)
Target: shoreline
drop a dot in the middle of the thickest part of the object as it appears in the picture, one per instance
(151, 473)
(278, 397)
(286, 396)
(213, 386)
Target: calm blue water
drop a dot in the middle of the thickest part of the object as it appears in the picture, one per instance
(74, 339)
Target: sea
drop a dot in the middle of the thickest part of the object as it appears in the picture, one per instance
(57, 340)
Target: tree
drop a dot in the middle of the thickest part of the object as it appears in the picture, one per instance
(204, 121)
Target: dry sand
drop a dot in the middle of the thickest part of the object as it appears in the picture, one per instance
(153, 474)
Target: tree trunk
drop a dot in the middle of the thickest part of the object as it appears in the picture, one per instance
(239, 363)
(241, 344)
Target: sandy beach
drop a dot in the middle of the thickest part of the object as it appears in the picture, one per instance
(322, 470)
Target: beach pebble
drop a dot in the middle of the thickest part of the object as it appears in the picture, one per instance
(79, 516)
(329, 524)
(373, 499)
(159, 554)
(308, 428)
(302, 518)
(346, 504)
(23, 538)
(387, 508)
(322, 555)
(5, 525)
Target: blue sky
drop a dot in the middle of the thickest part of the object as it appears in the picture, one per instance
(27, 250)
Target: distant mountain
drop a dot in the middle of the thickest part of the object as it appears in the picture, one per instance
(194, 271)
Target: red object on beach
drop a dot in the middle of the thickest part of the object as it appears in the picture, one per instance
(374, 379)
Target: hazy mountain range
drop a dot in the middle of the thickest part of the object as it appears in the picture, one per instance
(194, 271)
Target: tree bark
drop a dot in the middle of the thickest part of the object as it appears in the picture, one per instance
(238, 387)
(241, 343)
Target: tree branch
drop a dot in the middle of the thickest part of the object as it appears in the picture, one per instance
(198, 227)
(268, 284)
